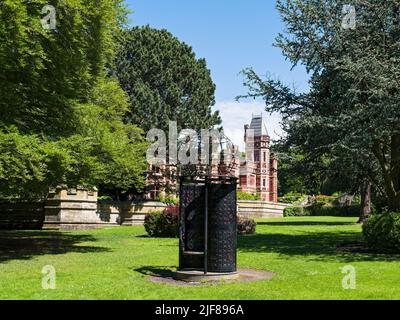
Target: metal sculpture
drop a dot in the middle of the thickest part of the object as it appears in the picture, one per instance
(208, 208)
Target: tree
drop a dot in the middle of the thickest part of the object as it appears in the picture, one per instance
(62, 116)
(352, 108)
(164, 81)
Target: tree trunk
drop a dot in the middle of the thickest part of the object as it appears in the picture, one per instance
(388, 156)
(366, 193)
(394, 203)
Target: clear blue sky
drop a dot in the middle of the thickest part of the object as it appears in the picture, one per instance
(229, 34)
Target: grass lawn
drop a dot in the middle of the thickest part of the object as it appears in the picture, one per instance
(112, 264)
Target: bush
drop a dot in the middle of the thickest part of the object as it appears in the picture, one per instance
(169, 199)
(166, 224)
(295, 212)
(382, 232)
(151, 223)
(104, 198)
(320, 209)
(248, 196)
(293, 198)
(321, 199)
(246, 226)
(163, 224)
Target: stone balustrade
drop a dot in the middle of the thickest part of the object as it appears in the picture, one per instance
(261, 209)
(78, 208)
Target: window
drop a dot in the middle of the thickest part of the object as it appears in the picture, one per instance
(265, 156)
(264, 183)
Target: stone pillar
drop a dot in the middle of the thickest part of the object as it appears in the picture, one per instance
(72, 208)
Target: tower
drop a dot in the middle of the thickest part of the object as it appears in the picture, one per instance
(258, 174)
(261, 156)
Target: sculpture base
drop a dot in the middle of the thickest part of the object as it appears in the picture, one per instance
(200, 276)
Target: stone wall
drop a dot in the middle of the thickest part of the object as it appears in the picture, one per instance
(129, 213)
(72, 209)
(261, 209)
(68, 208)
(79, 209)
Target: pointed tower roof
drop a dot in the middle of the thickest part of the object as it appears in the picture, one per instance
(259, 126)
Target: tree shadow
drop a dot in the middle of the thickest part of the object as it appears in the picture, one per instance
(313, 246)
(305, 223)
(24, 245)
(162, 272)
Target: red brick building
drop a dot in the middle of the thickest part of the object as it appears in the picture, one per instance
(257, 174)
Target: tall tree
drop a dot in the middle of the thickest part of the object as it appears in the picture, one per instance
(62, 117)
(165, 81)
(352, 108)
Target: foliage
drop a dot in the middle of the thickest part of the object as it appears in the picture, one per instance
(103, 151)
(246, 196)
(382, 232)
(163, 224)
(321, 209)
(170, 199)
(152, 223)
(293, 198)
(62, 117)
(164, 81)
(323, 199)
(246, 226)
(295, 176)
(294, 211)
(44, 73)
(349, 119)
(104, 198)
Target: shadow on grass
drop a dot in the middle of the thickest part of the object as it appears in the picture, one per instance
(162, 272)
(318, 246)
(24, 245)
(305, 223)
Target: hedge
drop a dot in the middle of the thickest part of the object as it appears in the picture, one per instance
(295, 212)
(319, 209)
(382, 232)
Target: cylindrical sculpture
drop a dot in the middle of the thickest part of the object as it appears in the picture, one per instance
(208, 230)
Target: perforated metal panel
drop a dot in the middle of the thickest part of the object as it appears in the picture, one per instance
(222, 239)
(218, 253)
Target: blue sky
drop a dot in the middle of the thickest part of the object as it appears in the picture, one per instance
(231, 35)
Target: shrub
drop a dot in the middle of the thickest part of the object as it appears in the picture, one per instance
(248, 196)
(321, 199)
(169, 199)
(163, 224)
(246, 226)
(151, 223)
(382, 232)
(295, 212)
(319, 209)
(293, 198)
(104, 198)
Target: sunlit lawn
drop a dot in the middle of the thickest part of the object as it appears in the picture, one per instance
(112, 264)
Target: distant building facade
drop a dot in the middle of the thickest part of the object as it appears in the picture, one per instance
(257, 174)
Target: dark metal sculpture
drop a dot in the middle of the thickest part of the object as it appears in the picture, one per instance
(208, 224)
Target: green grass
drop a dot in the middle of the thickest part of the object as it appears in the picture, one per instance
(112, 264)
